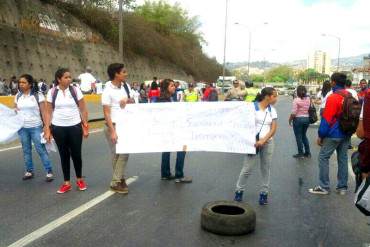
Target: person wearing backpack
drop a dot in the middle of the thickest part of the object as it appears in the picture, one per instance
(30, 103)
(67, 114)
(266, 125)
(299, 118)
(338, 123)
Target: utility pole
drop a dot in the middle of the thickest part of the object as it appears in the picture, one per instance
(120, 30)
(225, 39)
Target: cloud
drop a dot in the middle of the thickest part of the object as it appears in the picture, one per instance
(294, 29)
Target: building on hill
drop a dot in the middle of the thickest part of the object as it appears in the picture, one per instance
(320, 61)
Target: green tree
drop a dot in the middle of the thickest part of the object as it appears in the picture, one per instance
(257, 78)
(311, 76)
(279, 74)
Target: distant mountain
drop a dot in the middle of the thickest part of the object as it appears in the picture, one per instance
(349, 62)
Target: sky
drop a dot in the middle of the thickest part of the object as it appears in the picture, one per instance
(294, 28)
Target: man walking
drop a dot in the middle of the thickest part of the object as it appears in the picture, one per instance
(331, 138)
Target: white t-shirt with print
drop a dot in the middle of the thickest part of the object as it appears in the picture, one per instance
(260, 116)
(66, 112)
(29, 109)
(86, 80)
(112, 96)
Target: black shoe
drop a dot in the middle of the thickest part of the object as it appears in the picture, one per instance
(171, 177)
(298, 156)
(308, 156)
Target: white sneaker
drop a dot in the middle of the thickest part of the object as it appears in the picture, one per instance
(49, 177)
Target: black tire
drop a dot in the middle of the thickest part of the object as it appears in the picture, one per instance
(228, 218)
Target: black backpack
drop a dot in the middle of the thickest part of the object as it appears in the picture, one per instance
(54, 94)
(351, 110)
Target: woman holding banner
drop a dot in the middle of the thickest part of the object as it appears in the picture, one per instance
(266, 118)
(67, 114)
(30, 104)
(167, 90)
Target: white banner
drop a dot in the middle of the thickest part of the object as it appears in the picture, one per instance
(10, 123)
(201, 126)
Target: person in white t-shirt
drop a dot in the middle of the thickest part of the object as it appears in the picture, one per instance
(117, 93)
(87, 81)
(266, 124)
(29, 103)
(351, 90)
(67, 114)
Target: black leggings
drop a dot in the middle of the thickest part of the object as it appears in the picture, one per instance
(69, 142)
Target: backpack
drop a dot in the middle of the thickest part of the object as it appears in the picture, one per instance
(213, 96)
(54, 94)
(351, 110)
(44, 87)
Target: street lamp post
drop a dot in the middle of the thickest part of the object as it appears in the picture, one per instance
(250, 43)
(339, 41)
(225, 39)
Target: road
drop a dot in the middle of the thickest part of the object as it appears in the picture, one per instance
(162, 213)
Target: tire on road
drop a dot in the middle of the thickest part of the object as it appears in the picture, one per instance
(228, 218)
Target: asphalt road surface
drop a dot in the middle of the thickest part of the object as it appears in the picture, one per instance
(162, 213)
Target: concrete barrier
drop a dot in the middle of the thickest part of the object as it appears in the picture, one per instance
(93, 105)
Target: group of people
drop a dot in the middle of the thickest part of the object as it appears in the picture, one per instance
(62, 115)
(11, 87)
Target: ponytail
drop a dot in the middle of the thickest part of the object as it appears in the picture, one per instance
(267, 91)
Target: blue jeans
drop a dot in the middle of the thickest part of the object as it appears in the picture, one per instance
(327, 149)
(179, 169)
(300, 126)
(27, 136)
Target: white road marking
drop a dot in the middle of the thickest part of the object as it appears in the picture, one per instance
(65, 218)
(19, 146)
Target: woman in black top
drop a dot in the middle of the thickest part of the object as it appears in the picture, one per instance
(167, 90)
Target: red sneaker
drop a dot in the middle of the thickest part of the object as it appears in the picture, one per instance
(81, 185)
(64, 188)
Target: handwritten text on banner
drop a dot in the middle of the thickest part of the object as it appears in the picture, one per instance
(205, 126)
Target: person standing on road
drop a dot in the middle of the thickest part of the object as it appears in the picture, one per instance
(301, 122)
(363, 132)
(363, 90)
(323, 94)
(191, 94)
(87, 81)
(168, 89)
(115, 97)
(143, 93)
(332, 138)
(266, 124)
(67, 113)
(251, 92)
(210, 93)
(154, 92)
(30, 103)
(236, 93)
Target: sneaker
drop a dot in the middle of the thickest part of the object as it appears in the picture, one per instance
(341, 191)
(28, 175)
(171, 177)
(238, 196)
(118, 188)
(298, 156)
(64, 188)
(263, 198)
(124, 185)
(49, 177)
(307, 156)
(184, 180)
(81, 185)
(318, 190)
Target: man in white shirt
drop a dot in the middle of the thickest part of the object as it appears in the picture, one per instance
(87, 81)
(115, 96)
(351, 90)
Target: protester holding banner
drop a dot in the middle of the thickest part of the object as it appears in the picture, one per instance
(266, 124)
(30, 103)
(67, 113)
(114, 97)
(167, 90)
